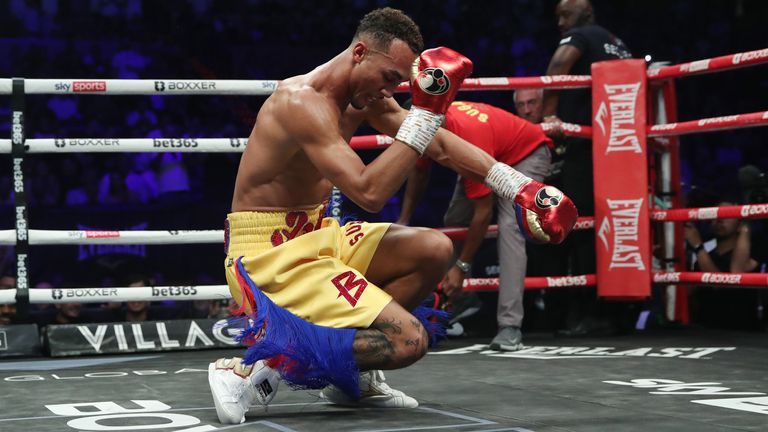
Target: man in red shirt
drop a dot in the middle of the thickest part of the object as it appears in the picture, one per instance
(523, 146)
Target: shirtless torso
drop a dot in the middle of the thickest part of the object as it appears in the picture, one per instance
(299, 145)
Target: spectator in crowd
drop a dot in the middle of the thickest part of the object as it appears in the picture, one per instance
(136, 310)
(113, 188)
(42, 306)
(529, 104)
(216, 309)
(143, 310)
(583, 43)
(729, 251)
(69, 313)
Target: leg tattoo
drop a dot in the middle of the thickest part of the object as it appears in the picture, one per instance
(372, 349)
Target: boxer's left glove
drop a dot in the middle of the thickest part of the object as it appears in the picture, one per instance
(435, 80)
(544, 213)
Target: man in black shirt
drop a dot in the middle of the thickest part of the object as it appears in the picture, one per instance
(583, 42)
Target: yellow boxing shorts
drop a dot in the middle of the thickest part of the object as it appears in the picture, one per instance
(307, 264)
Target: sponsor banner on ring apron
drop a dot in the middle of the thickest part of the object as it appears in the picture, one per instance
(145, 336)
(19, 340)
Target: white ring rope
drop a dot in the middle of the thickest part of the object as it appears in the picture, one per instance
(143, 87)
(136, 145)
(101, 237)
(119, 294)
(253, 87)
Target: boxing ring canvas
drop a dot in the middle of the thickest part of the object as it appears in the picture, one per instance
(684, 381)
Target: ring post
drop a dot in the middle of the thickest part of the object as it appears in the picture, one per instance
(622, 220)
(18, 151)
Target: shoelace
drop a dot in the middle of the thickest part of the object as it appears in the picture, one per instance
(377, 381)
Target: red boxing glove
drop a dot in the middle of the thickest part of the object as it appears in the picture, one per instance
(437, 77)
(544, 213)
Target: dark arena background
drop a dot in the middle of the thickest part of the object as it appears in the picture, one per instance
(649, 371)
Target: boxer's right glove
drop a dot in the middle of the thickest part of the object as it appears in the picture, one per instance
(437, 76)
(544, 213)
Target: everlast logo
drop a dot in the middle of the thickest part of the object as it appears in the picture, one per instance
(18, 176)
(622, 100)
(174, 142)
(721, 278)
(624, 220)
(17, 135)
(21, 224)
(565, 281)
(21, 271)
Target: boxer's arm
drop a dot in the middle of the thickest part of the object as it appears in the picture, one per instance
(446, 148)
(550, 223)
(560, 64)
(312, 123)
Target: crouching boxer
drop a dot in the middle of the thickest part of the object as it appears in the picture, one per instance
(330, 306)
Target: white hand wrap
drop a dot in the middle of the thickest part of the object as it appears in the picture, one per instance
(506, 181)
(418, 128)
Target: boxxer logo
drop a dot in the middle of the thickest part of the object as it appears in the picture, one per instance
(159, 86)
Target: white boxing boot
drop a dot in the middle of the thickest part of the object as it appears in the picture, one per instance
(236, 387)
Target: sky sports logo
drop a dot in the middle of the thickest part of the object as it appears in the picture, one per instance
(89, 86)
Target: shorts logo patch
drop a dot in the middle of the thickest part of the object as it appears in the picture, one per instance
(346, 283)
(297, 223)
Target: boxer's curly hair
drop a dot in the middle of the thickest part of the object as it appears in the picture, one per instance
(386, 24)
